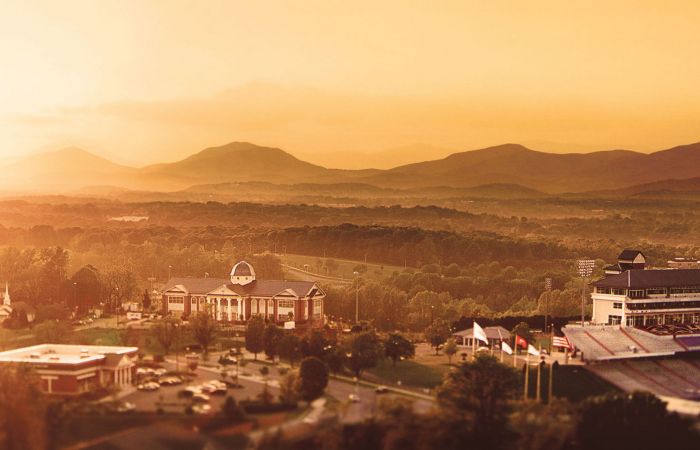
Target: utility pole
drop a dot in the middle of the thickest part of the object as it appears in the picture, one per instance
(357, 297)
(585, 270)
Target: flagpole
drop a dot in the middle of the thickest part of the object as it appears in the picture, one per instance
(527, 375)
(515, 352)
(538, 396)
(551, 383)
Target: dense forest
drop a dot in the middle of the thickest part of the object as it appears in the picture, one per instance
(452, 263)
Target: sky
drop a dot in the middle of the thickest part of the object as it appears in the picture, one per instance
(150, 81)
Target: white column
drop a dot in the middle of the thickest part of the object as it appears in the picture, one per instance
(230, 308)
(218, 309)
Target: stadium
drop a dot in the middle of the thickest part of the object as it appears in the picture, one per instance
(645, 329)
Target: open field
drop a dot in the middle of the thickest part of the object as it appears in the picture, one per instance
(345, 267)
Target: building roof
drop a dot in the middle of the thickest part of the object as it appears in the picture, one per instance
(257, 288)
(629, 255)
(640, 278)
(242, 269)
(497, 332)
(63, 354)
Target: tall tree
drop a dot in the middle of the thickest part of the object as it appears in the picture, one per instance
(364, 350)
(289, 348)
(22, 424)
(255, 336)
(165, 331)
(638, 420)
(398, 347)
(437, 334)
(204, 330)
(450, 349)
(313, 378)
(271, 339)
(480, 391)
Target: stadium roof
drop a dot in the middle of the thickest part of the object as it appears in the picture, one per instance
(640, 278)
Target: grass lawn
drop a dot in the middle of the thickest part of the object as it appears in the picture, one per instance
(345, 266)
(571, 382)
(411, 373)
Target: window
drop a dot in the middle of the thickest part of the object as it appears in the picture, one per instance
(285, 303)
(617, 305)
(614, 320)
(618, 291)
(636, 293)
(656, 291)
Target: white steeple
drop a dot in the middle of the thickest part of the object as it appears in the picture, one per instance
(6, 299)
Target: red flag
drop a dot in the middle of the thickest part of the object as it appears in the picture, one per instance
(520, 342)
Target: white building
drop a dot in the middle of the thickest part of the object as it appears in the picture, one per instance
(641, 297)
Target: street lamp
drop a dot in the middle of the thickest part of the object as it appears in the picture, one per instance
(585, 270)
(357, 296)
(170, 268)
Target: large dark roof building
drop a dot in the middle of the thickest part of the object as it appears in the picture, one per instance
(634, 295)
(243, 296)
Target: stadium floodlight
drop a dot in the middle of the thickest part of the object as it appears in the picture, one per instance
(585, 270)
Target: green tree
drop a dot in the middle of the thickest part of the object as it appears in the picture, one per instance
(289, 348)
(255, 336)
(52, 332)
(450, 349)
(363, 351)
(204, 330)
(22, 416)
(480, 391)
(165, 331)
(398, 347)
(288, 389)
(271, 339)
(313, 378)
(638, 420)
(232, 409)
(437, 334)
(523, 330)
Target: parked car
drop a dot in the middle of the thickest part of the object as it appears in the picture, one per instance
(381, 389)
(201, 398)
(170, 381)
(150, 386)
(354, 398)
(125, 407)
(201, 408)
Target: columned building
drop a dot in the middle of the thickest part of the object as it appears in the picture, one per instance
(632, 295)
(242, 296)
(76, 369)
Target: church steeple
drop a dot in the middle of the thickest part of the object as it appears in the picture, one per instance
(6, 298)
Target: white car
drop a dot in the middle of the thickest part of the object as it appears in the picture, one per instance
(354, 398)
(201, 398)
(126, 407)
(201, 409)
(150, 386)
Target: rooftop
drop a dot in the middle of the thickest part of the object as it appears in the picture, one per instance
(651, 278)
(261, 288)
(62, 353)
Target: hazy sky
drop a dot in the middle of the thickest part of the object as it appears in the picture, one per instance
(144, 81)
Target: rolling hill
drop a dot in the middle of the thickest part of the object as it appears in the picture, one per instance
(506, 170)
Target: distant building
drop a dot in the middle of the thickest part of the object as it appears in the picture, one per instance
(641, 297)
(494, 335)
(684, 263)
(8, 307)
(76, 369)
(242, 296)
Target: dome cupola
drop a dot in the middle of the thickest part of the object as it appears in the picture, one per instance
(242, 273)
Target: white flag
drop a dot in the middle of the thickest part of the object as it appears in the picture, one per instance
(532, 350)
(480, 334)
(506, 348)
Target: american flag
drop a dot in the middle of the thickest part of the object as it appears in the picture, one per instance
(561, 341)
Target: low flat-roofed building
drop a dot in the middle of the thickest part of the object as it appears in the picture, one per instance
(76, 369)
(494, 335)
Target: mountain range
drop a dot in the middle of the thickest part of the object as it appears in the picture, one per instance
(505, 168)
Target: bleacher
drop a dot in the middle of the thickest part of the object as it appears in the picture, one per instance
(671, 377)
(608, 342)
